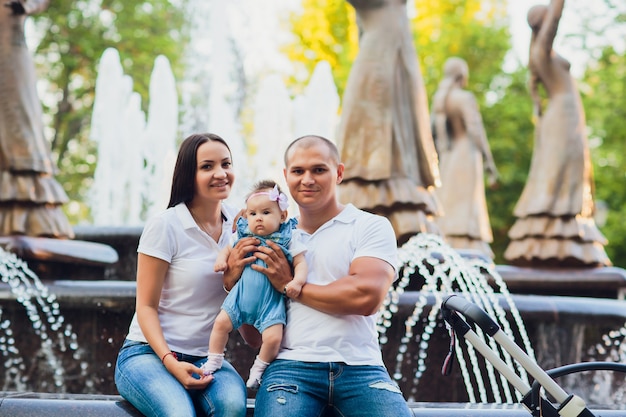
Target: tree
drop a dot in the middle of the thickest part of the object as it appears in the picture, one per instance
(325, 30)
(75, 34)
(510, 131)
(474, 30)
(604, 97)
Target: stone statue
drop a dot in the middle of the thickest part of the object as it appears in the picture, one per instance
(555, 225)
(384, 133)
(464, 154)
(30, 198)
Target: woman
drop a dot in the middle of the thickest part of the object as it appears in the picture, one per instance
(464, 156)
(384, 135)
(179, 295)
(555, 223)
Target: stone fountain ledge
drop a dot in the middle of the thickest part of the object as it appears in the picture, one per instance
(114, 293)
(29, 404)
(604, 282)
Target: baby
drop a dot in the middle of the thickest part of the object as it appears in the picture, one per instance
(253, 300)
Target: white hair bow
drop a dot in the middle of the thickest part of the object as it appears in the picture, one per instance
(279, 197)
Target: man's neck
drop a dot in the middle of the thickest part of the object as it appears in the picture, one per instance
(311, 220)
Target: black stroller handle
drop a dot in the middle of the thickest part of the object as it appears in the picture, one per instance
(470, 311)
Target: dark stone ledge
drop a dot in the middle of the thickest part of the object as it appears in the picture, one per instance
(29, 404)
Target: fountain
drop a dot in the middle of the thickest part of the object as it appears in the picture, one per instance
(71, 323)
(93, 317)
(135, 157)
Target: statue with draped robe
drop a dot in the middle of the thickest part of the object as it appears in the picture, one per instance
(384, 134)
(464, 157)
(30, 197)
(555, 224)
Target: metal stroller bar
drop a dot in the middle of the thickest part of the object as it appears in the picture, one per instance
(570, 405)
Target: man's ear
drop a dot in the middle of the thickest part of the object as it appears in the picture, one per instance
(340, 169)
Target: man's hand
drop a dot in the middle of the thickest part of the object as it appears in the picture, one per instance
(278, 270)
(237, 260)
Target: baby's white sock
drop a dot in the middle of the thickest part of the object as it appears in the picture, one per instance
(213, 363)
(256, 372)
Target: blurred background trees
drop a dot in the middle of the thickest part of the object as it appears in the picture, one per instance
(72, 35)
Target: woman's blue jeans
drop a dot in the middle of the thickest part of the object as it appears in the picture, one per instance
(304, 389)
(142, 379)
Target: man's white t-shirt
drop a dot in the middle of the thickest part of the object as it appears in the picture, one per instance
(314, 336)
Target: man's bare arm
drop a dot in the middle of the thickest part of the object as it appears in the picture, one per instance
(361, 292)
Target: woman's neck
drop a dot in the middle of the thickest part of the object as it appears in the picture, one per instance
(207, 213)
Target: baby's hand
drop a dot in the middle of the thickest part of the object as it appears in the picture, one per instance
(293, 290)
(220, 266)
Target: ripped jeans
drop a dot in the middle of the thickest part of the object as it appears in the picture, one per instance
(310, 389)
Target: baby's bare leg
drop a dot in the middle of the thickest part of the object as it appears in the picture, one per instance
(272, 336)
(219, 337)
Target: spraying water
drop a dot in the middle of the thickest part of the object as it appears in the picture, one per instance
(59, 356)
(135, 158)
(443, 271)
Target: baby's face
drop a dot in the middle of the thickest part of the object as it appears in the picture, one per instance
(264, 216)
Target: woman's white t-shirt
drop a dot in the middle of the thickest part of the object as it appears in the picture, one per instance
(192, 292)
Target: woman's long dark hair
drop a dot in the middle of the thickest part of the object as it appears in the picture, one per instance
(186, 165)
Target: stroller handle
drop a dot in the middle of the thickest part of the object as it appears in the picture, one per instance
(571, 405)
(471, 311)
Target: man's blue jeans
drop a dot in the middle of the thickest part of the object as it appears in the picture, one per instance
(142, 379)
(303, 389)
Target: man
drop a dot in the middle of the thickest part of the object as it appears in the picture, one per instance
(330, 359)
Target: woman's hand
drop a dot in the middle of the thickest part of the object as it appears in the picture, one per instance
(278, 270)
(237, 260)
(184, 371)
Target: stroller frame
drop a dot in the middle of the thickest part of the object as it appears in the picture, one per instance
(570, 405)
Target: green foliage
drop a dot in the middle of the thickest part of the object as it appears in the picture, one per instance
(510, 131)
(75, 34)
(325, 30)
(604, 98)
(474, 30)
